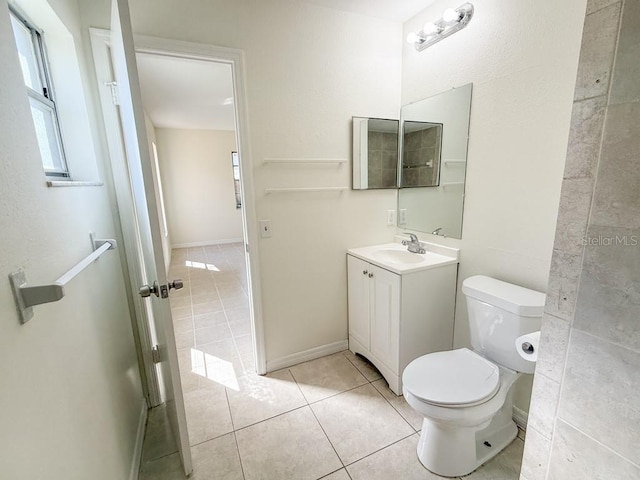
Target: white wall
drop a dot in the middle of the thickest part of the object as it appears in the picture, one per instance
(70, 395)
(522, 58)
(309, 70)
(197, 177)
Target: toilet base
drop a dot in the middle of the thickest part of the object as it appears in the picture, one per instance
(453, 451)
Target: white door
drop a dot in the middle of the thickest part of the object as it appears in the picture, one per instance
(142, 184)
(385, 316)
(358, 297)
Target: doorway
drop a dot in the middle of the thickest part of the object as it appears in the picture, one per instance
(191, 127)
(221, 274)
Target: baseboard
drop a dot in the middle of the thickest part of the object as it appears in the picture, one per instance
(306, 355)
(206, 243)
(137, 451)
(520, 417)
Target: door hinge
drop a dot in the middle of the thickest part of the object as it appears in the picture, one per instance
(113, 86)
(155, 354)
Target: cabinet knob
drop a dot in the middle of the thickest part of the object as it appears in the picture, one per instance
(371, 275)
(364, 272)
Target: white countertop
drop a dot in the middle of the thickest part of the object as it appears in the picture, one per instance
(396, 258)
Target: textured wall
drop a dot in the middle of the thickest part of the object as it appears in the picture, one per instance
(585, 413)
(70, 393)
(522, 58)
(199, 193)
(309, 70)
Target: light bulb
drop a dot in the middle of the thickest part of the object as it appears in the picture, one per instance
(430, 28)
(450, 15)
(413, 37)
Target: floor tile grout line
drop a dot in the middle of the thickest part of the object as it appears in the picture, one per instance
(235, 345)
(235, 437)
(271, 418)
(383, 396)
(392, 406)
(380, 449)
(335, 471)
(158, 458)
(298, 385)
(226, 396)
(327, 436)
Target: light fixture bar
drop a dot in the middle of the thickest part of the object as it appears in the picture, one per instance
(451, 21)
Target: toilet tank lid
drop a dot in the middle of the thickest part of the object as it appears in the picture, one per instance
(512, 298)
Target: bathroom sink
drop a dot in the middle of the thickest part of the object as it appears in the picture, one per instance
(397, 256)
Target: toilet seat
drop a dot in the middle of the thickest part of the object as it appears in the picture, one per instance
(456, 378)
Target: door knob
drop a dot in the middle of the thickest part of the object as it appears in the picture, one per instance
(176, 284)
(147, 290)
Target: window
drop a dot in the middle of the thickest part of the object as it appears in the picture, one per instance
(33, 62)
(236, 178)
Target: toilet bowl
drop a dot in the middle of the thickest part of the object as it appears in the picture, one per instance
(466, 396)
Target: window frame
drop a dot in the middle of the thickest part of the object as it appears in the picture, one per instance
(46, 98)
(236, 181)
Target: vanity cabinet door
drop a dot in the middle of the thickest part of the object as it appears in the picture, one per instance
(358, 285)
(384, 304)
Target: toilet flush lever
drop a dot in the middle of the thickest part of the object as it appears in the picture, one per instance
(527, 348)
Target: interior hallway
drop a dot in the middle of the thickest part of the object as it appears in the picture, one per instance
(331, 418)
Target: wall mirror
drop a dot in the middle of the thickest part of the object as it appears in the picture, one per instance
(375, 153)
(435, 133)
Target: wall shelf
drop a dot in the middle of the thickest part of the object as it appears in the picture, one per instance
(450, 163)
(305, 161)
(269, 191)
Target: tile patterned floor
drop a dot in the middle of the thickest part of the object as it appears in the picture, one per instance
(332, 418)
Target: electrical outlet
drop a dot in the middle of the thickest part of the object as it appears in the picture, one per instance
(391, 217)
(265, 228)
(403, 216)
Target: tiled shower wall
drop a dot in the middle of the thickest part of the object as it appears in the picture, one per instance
(584, 419)
(421, 149)
(383, 159)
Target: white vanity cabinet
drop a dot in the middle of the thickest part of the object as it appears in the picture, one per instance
(395, 317)
(374, 310)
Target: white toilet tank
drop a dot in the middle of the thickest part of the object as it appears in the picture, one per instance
(500, 312)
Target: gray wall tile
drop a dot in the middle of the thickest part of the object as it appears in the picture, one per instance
(575, 455)
(595, 5)
(544, 402)
(600, 393)
(596, 53)
(587, 121)
(553, 347)
(562, 294)
(609, 298)
(625, 86)
(573, 214)
(567, 265)
(596, 429)
(617, 194)
(536, 455)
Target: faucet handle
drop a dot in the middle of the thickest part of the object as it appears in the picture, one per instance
(413, 237)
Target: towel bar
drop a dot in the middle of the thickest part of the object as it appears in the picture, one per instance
(27, 296)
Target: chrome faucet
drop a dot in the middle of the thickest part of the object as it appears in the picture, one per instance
(437, 232)
(413, 244)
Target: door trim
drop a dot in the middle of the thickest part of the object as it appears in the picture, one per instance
(118, 182)
(234, 58)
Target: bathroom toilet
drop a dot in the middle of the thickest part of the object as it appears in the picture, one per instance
(466, 396)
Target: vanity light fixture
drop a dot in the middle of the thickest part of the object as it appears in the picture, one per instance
(452, 20)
